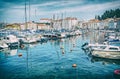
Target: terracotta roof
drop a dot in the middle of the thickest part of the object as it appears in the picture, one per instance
(45, 19)
(41, 24)
(70, 18)
(94, 20)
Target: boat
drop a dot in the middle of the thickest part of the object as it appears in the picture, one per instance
(3, 45)
(27, 39)
(78, 32)
(51, 36)
(11, 40)
(70, 34)
(106, 51)
(89, 46)
(114, 41)
(43, 39)
(10, 52)
(61, 35)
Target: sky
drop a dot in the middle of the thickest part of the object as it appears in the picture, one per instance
(13, 11)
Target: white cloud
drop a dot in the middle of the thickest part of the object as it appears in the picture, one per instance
(84, 10)
(60, 3)
(91, 7)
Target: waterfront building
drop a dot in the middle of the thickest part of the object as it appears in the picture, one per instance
(30, 26)
(80, 24)
(57, 24)
(118, 24)
(109, 23)
(93, 24)
(85, 25)
(43, 26)
(69, 23)
(45, 20)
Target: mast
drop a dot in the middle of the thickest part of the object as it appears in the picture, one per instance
(62, 21)
(26, 26)
(29, 11)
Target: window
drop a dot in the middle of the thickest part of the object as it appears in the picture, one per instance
(113, 48)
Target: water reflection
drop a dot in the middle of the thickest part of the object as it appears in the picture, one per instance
(9, 52)
(54, 60)
(105, 61)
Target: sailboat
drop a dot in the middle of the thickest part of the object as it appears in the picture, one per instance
(28, 37)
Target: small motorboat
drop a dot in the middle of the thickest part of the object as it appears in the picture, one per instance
(3, 45)
(106, 51)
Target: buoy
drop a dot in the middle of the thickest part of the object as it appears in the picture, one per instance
(20, 54)
(117, 72)
(74, 65)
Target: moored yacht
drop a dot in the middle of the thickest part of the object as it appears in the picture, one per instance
(61, 35)
(3, 45)
(11, 40)
(27, 39)
(106, 51)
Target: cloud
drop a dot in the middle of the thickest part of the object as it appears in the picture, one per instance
(42, 8)
(91, 7)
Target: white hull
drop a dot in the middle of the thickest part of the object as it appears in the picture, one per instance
(3, 45)
(29, 41)
(106, 54)
(11, 40)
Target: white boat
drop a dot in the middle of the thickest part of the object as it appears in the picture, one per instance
(78, 32)
(11, 40)
(10, 52)
(106, 51)
(43, 39)
(27, 39)
(3, 45)
(88, 46)
(61, 35)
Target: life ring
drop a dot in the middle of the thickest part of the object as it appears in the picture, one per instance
(117, 72)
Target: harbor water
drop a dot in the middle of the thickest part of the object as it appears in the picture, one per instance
(54, 59)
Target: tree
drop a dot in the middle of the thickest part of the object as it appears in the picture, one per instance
(109, 14)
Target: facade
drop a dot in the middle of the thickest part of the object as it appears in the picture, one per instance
(43, 26)
(45, 20)
(80, 24)
(68, 23)
(118, 25)
(109, 23)
(29, 26)
(93, 24)
(57, 24)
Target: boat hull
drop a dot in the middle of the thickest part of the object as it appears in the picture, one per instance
(106, 54)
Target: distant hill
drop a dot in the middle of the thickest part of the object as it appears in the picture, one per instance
(109, 14)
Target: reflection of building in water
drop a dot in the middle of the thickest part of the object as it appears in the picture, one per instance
(96, 37)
